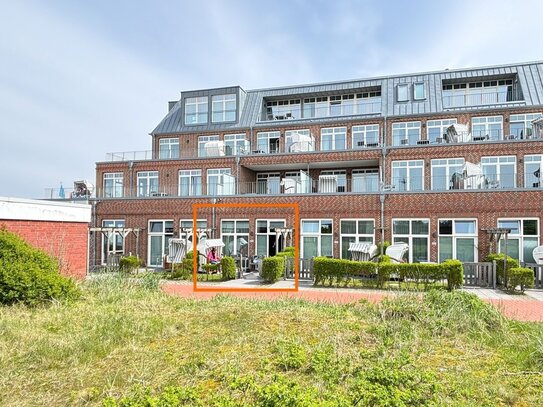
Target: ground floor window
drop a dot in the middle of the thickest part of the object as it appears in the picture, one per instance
(188, 224)
(458, 239)
(160, 233)
(267, 242)
(353, 231)
(235, 235)
(522, 240)
(416, 233)
(316, 238)
(112, 243)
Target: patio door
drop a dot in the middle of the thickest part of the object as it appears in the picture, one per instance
(267, 242)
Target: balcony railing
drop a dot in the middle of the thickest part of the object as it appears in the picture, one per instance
(480, 98)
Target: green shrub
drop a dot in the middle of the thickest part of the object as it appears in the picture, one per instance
(273, 268)
(453, 271)
(337, 270)
(383, 245)
(129, 263)
(228, 267)
(30, 276)
(520, 276)
(499, 257)
(383, 258)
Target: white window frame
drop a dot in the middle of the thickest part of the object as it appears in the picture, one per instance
(268, 233)
(533, 159)
(520, 236)
(368, 102)
(365, 180)
(268, 183)
(189, 223)
(336, 134)
(304, 132)
(237, 236)
(486, 122)
(402, 136)
(165, 237)
(455, 235)
(442, 125)
(149, 189)
(199, 103)
(500, 161)
(317, 235)
(202, 140)
(402, 92)
(170, 150)
(195, 189)
(237, 144)
(114, 238)
(526, 120)
(358, 237)
(449, 164)
(410, 236)
(217, 172)
(418, 85)
(284, 109)
(360, 137)
(341, 179)
(410, 165)
(264, 142)
(219, 106)
(116, 189)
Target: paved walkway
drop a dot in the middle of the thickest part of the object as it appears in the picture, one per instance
(528, 307)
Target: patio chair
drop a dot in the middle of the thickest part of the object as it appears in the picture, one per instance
(397, 251)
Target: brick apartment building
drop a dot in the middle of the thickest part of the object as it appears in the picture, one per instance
(365, 160)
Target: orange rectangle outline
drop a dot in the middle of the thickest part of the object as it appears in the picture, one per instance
(295, 206)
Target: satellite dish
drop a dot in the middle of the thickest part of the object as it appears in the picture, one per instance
(538, 255)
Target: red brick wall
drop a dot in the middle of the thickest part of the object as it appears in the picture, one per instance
(66, 241)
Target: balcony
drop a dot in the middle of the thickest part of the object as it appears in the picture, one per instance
(465, 99)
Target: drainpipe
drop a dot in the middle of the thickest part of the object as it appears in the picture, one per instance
(382, 183)
(237, 174)
(130, 171)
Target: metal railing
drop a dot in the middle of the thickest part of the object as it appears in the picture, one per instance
(460, 99)
(66, 193)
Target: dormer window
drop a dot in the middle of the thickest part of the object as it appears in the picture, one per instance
(419, 91)
(196, 110)
(403, 92)
(482, 92)
(223, 108)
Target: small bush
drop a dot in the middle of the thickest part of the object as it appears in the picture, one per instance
(520, 276)
(129, 263)
(499, 257)
(228, 267)
(384, 247)
(383, 258)
(454, 273)
(273, 268)
(30, 276)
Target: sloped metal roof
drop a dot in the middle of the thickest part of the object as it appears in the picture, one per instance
(250, 103)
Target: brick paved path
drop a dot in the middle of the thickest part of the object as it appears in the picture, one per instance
(527, 307)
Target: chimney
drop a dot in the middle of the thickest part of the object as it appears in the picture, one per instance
(171, 104)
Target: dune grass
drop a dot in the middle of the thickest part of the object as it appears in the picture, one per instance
(127, 343)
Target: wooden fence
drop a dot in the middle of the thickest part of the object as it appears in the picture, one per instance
(305, 268)
(538, 274)
(480, 274)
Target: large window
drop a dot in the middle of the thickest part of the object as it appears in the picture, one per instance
(521, 125)
(168, 148)
(147, 183)
(236, 144)
(443, 173)
(160, 233)
(368, 102)
(353, 231)
(112, 243)
(478, 93)
(405, 134)
(408, 175)
(416, 233)
(268, 183)
(283, 109)
(419, 91)
(333, 138)
(220, 182)
(522, 240)
(190, 182)
(185, 224)
(402, 91)
(223, 108)
(487, 128)
(235, 235)
(365, 136)
(267, 241)
(316, 238)
(436, 129)
(268, 142)
(333, 181)
(297, 141)
(202, 141)
(500, 172)
(366, 180)
(113, 185)
(342, 105)
(196, 110)
(458, 239)
(532, 171)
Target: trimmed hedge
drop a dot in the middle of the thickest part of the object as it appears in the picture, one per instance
(332, 271)
(30, 276)
(520, 276)
(129, 263)
(273, 268)
(228, 267)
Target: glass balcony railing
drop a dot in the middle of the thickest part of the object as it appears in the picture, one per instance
(460, 99)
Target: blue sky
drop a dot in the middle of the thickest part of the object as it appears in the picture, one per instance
(81, 79)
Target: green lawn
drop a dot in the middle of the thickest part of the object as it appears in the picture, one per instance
(125, 343)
